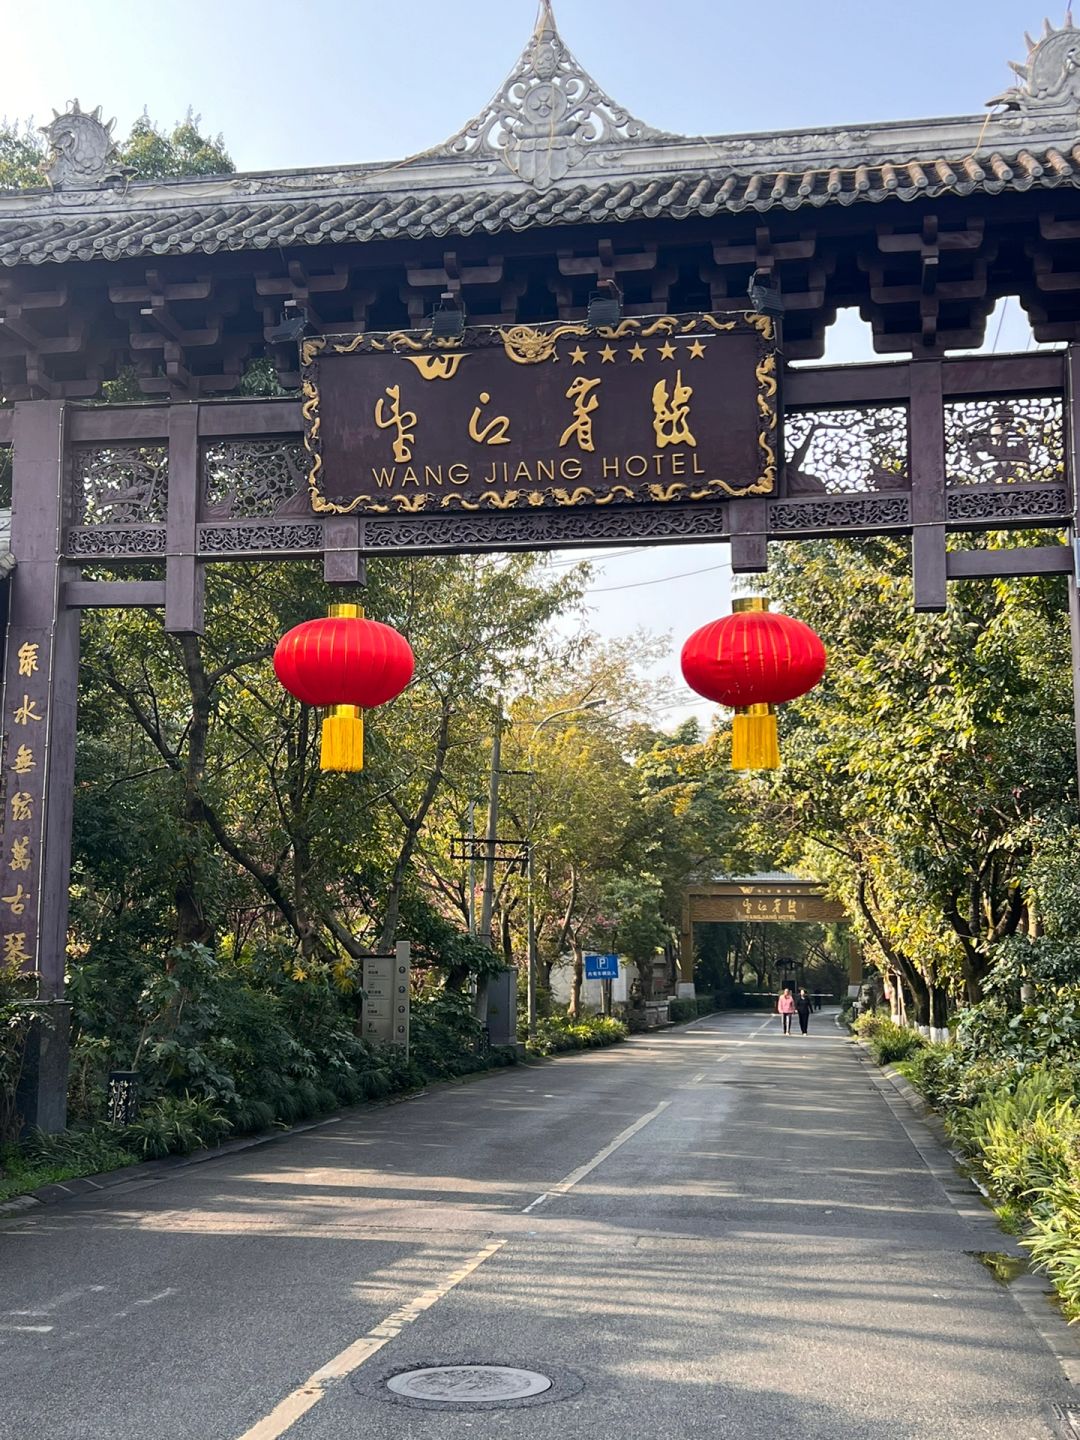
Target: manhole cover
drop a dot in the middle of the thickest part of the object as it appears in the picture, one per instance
(467, 1384)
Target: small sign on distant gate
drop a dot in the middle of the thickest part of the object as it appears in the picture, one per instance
(601, 967)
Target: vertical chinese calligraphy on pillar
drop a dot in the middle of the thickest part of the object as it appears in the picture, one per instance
(26, 697)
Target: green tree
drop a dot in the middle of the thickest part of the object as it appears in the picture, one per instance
(22, 153)
(921, 773)
(157, 154)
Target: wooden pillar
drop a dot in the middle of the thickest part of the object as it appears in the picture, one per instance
(342, 541)
(1072, 392)
(926, 445)
(39, 704)
(749, 522)
(185, 578)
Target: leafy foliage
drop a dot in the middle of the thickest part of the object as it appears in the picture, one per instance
(888, 1041)
(17, 1013)
(557, 1033)
(156, 154)
(929, 778)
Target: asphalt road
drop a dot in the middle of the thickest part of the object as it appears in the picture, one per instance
(739, 1239)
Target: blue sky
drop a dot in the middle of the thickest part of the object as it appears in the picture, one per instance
(340, 81)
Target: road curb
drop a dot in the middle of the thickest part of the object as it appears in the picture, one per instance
(80, 1185)
(1031, 1293)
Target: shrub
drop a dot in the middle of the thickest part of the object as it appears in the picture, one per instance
(84, 1152)
(887, 1040)
(555, 1033)
(680, 1011)
(1007, 1106)
(1022, 1160)
(175, 1126)
(1054, 1242)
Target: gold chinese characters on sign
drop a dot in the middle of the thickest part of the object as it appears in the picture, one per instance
(670, 408)
(23, 794)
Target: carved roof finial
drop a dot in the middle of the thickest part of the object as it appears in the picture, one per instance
(1050, 76)
(548, 114)
(82, 152)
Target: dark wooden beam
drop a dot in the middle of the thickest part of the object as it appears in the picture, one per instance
(118, 422)
(926, 450)
(964, 375)
(249, 419)
(1017, 561)
(846, 385)
(112, 594)
(1003, 374)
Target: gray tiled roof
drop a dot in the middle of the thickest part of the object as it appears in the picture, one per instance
(149, 225)
(553, 149)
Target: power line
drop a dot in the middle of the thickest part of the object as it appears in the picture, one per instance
(661, 580)
(601, 557)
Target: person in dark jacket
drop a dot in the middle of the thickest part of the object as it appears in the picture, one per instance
(803, 1005)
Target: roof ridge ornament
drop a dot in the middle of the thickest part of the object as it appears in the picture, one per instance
(1051, 74)
(82, 152)
(548, 114)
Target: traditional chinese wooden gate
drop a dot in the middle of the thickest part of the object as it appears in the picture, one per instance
(552, 196)
(754, 900)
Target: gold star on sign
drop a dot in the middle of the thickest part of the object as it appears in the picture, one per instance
(637, 352)
(666, 351)
(697, 350)
(577, 355)
(607, 355)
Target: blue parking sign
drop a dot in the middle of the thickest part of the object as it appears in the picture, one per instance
(601, 967)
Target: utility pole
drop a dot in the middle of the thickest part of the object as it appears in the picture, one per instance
(487, 900)
(472, 867)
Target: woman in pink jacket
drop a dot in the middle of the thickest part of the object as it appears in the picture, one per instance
(786, 1009)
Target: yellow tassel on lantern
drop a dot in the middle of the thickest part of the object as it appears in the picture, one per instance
(342, 746)
(342, 739)
(754, 744)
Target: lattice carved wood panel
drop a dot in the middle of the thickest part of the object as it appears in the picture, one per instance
(846, 451)
(1013, 441)
(120, 484)
(246, 479)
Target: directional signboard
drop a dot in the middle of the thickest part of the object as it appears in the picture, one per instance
(601, 967)
(385, 1006)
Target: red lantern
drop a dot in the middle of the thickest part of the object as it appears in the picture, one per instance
(343, 663)
(753, 661)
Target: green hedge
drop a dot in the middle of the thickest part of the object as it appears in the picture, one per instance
(557, 1033)
(681, 1011)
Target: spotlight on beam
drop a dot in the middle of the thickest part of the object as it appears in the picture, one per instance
(290, 330)
(764, 294)
(448, 317)
(605, 306)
